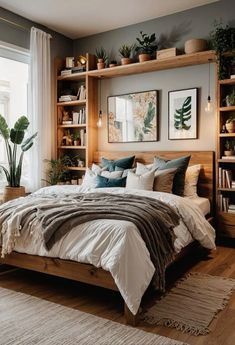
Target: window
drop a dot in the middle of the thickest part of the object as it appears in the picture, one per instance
(14, 70)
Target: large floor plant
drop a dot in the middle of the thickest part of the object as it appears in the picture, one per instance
(14, 138)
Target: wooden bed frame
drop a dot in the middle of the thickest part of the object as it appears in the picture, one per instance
(87, 273)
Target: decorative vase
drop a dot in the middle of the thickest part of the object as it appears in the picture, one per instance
(126, 61)
(11, 193)
(100, 64)
(195, 45)
(144, 57)
(229, 153)
(230, 127)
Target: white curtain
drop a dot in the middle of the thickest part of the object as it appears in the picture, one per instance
(39, 114)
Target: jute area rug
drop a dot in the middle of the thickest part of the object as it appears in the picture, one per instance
(27, 320)
(192, 304)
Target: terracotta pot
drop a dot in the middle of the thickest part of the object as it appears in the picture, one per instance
(195, 45)
(126, 61)
(230, 127)
(100, 65)
(11, 193)
(112, 65)
(229, 153)
(144, 57)
(76, 143)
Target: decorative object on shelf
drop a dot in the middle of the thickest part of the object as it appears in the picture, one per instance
(230, 99)
(113, 63)
(81, 63)
(75, 117)
(67, 139)
(126, 52)
(76, 138)
(69, 62)
(81, 95)
(223, 42)
(166, 53)
(14, 136)
(223, 130)
(209, 106)
(195, 45)
(66, 118)
(81, 163)
(182, 113)
(74, 181)
(100, 115)
(230, 124)
(57, 172)
(229, 145)
(133, 117)
(147, 46)
(102, 58)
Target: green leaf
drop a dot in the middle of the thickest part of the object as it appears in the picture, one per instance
(21, 124)
(6, 173)
(183, 115)
(28, 143)
(16, 136)
(4, 130)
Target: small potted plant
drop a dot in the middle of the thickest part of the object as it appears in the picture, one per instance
(229, 145)
(102, 58)
(113, 63)
(230, 99)
(57, 172)
(230, 124)
(147, 46)
(125, 52)
(76, 138)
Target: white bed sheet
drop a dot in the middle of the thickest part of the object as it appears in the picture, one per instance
(117, 246)
(202, 203)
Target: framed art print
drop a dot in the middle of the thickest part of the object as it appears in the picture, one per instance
(182, 114)
(133, 117)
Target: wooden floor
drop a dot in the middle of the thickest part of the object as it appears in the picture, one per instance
(108, 304)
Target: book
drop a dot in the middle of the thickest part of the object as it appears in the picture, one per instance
(228, 157)
(231, 207)
(67, 98)
(67, 122)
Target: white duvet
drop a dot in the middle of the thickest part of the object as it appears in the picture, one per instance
(117, 246)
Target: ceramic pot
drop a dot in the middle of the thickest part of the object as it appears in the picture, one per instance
(229, 153)
(195, 45)
(230, 127)
(112, 65)
(100, 65)
(126, 61)
(11, 193)
(144, 57)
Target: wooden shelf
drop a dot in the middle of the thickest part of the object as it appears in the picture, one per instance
(72, 147)
(72, 126)
(227, 82)
(232, 108)
(226, 189)
(226, 160)
(73, 76)
(155, 65)
(227, 135)
(71, 103)
(77, 168)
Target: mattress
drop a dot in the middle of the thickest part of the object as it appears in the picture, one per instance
(202, 203)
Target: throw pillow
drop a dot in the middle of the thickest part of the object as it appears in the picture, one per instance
(124, 163)
(163, 180)
(90, 179)
(144, 181)
(191, 179)
(104, 182)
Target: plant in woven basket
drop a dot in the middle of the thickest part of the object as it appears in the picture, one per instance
(183, 114)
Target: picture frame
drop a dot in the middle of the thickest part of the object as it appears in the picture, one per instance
(183, 114)
(133, 117)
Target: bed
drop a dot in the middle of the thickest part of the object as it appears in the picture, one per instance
(100, 263)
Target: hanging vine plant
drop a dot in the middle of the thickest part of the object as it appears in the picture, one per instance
(223, 42)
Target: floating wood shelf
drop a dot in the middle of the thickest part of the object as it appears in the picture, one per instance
(227, 82)
(71, 103)
(226, 189)
(72, 126)
(227, 135)
(74, 76)
(232, 108)
(77, 168)
(72, 147)
(226, 160)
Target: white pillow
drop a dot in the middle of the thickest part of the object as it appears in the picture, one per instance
(90, 179)
(111, 174)
(191, 179)
(97, 169)
(142, 168)
(144, 181)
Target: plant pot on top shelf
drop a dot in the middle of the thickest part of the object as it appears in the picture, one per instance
(126, 52)
(112, 63)
(12, 138)
(101, 56)
(147, 46)
(230, 125)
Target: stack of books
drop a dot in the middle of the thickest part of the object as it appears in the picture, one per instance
(79, 117)
(231, 208)
(228, 157)
(225, 179)
(81, 93)
(72, 70)
(67, 98)
(223, 203)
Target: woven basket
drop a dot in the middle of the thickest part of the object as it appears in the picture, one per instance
(11, 193)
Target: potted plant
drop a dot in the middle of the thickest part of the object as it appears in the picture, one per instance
(229, 145)
(113, 63)
(57, 172)
(76, 138)
(125, 52)
(230, 99)
(230, 124)
(13, 138)
(102, 57)
(147, 46)
(223, 41)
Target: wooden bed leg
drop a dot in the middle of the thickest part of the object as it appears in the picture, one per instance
(131, 319)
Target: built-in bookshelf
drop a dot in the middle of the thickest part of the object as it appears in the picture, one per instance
(225, 163)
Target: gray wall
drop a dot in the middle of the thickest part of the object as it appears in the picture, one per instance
(173, 30)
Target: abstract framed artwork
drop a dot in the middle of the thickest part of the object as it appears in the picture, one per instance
(133, 117)
(182, 114)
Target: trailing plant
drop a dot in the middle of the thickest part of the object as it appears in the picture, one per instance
(147, 43)
(57, 171)
(183, 114)
(13, 138)
(223, 41)
(126, 51)
(101, 54)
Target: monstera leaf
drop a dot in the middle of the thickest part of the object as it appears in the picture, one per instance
(183, 114)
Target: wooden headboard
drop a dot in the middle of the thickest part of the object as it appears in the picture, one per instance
(205, 158)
